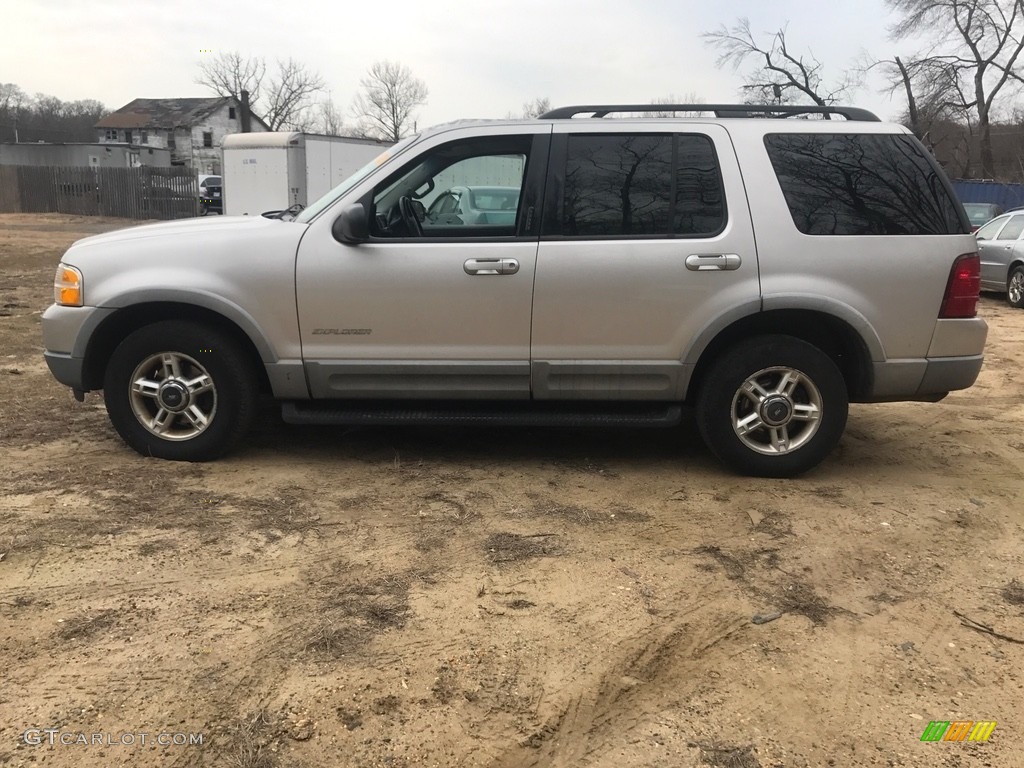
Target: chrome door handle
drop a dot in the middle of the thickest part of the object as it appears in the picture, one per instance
(491, 266)
(696, 262)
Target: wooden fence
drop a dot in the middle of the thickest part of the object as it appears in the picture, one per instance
(133, 193)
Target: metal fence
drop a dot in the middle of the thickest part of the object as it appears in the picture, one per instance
(133, 193)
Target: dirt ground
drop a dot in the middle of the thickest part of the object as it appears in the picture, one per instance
(502, 598)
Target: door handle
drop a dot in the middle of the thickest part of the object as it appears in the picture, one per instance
(696, 262)
(491, 266)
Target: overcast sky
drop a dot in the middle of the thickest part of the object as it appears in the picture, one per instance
(478, 59)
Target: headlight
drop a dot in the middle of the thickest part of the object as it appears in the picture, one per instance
(67, 286)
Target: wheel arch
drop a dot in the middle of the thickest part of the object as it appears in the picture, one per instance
(835, 336)
(118, 325)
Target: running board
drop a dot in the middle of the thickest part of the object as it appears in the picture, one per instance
(485, 414)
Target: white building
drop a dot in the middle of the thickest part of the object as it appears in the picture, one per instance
(192, 129)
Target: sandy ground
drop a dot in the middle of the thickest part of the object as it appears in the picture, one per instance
(502, 598)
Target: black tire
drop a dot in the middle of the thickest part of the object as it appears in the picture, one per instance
(816, 402)
(223, 403)
(1015, 287)
(203, 210)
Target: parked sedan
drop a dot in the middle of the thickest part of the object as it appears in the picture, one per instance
(1002, 257)
(981, 213)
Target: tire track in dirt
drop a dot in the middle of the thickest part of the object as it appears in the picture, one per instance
(645, 675)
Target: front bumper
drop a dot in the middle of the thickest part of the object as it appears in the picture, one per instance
(66, 335)
(66, 369)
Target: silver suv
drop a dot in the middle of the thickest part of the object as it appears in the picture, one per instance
(764, 272)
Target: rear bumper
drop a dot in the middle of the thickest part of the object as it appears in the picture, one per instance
(929, 379)
(953, 362)
(947, 374)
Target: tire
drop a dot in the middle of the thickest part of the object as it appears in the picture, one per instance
(1015, 287)
(203, 210)
(786, 397)
(180, 390)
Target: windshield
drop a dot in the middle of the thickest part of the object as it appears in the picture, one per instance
(327, 200)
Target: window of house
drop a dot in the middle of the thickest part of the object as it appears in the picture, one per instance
(231, 113)
(468, 188)
(111, 134)
(127, 137)
(634, 185)
(143, 137)
(207, 138)
(862, 184)
(170, 140)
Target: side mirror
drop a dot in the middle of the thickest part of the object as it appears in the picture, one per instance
(352, 226)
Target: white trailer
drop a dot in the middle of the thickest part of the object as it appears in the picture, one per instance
(274, 171)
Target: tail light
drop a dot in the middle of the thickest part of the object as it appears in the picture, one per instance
(963, 288)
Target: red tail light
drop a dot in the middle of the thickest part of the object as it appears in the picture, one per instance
(961, 299)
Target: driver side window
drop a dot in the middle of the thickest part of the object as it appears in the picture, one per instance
(470, 188)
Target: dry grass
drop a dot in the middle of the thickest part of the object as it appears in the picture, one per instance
(87, 627)
(504, 548)
(1013, 593)
(253, 741)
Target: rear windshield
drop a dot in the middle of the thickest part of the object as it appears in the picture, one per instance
(863, 184)
(979, 213)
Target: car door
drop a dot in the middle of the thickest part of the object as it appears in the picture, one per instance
(996, 243)
(427, 309)
(647, 244)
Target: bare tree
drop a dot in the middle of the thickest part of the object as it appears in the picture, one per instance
(46, 118)
(228, 74)
(12, 97)
(282, 99)
(781, 75)
(536, 108)
(932, 89)
(327, 118)
(390, 97)
(290, 95)
(688, 98)
(12, 101)
(976, 46)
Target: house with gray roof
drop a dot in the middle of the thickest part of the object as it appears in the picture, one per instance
(192, 129)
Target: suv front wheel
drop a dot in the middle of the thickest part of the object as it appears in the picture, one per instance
(772, 406)
(180, 390)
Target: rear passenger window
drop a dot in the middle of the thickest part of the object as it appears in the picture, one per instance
(990, 230)
(640, 185)
(862, 184)
(1012, 229)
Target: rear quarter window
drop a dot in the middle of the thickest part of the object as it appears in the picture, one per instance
(863, 184)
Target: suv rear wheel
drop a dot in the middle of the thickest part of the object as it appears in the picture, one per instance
(179, 390)
(772, 406)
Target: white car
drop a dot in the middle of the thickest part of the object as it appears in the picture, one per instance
(474, 206)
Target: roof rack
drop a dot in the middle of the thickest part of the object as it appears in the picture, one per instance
(720, 110)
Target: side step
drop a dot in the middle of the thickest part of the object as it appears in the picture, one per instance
(519, 414)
